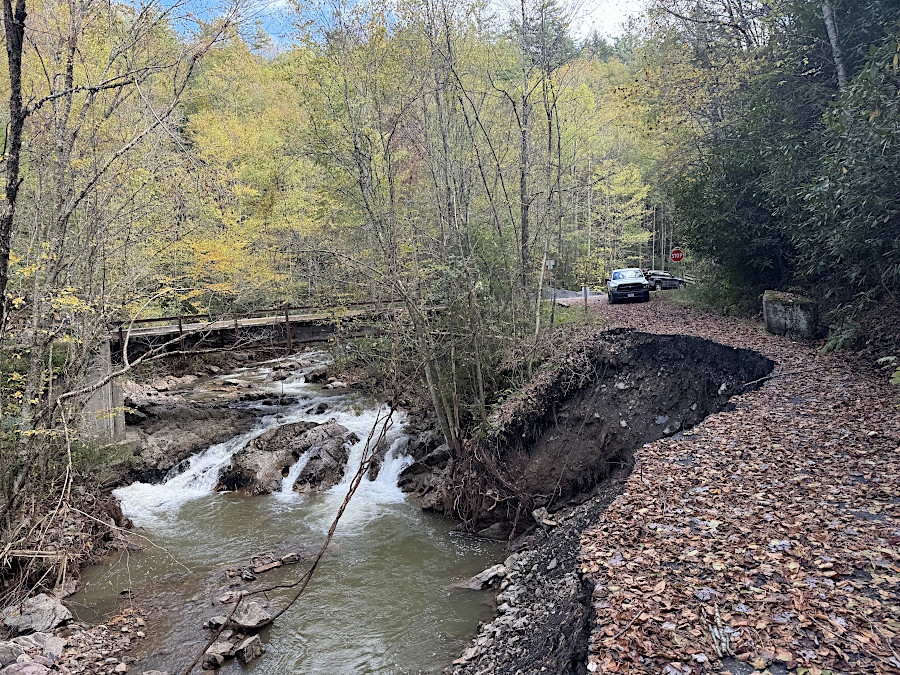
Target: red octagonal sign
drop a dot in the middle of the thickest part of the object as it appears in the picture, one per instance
(677, 255)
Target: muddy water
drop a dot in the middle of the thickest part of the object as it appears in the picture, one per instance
(382, 601)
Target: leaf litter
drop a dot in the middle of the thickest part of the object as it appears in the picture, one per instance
(776, 542)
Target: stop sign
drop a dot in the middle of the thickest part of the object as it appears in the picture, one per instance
(677, 255)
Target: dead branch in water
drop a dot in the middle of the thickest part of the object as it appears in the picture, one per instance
(301, 583)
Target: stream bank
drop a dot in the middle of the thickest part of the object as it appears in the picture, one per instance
(574, 429)
(596, 396)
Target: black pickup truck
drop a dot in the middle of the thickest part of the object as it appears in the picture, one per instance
(660, 281)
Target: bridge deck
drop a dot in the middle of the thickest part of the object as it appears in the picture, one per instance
(231, 324)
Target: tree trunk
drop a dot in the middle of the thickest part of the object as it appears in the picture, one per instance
(14, 25)
(524, 201)
(523, 191)
(831, 27)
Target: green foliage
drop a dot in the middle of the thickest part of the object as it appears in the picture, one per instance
(889, 364)
(850, 236)
(844, 335)
(567, 315)
(715, 293)
(544, 35)
(790, 181)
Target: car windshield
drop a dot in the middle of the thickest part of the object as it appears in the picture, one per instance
(627, 274)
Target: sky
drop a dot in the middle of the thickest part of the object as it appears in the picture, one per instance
(604, 16)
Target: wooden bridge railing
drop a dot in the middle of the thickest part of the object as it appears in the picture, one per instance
(254, 314)
(180, 321)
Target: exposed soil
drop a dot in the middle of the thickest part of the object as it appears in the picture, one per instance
(643, 387)
(569, 431)
(581, 417)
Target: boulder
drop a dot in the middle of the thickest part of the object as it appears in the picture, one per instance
(25, 669)
(50, 645)
(139, 395)
(259, 467)
(215, 622)
(256, 395)
(327, 460)
(262, 559)
(39, 613)
(250, 616)
(174, 431)
(495, 532)
(230, 597)
(278, 375)
(790, 314)
(70, 586)
(319, 374)
(222, 648)
(212, 661)
(423, 440)
(427, 479)
(377, 460)
(260, 569)
(250, 649)
(484, 579)
(9, 652)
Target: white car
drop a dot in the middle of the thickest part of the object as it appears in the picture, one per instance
(627, 284)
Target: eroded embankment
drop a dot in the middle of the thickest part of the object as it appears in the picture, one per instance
(569, 438)
(578, 420)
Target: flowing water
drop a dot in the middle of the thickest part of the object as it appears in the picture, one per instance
(383, 599)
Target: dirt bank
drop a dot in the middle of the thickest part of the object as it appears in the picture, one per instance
(588, 407)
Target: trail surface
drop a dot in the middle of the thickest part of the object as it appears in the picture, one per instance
(765, 537)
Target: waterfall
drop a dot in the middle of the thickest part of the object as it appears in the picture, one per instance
(197, 476)
(287, 483)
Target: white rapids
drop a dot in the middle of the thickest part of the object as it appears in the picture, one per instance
(195, 478)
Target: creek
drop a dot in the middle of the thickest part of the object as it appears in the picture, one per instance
(383, 599)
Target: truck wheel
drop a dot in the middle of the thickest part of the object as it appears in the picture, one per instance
(658, 286)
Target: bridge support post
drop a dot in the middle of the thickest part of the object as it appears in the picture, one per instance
(287, 330)
(103, 414)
